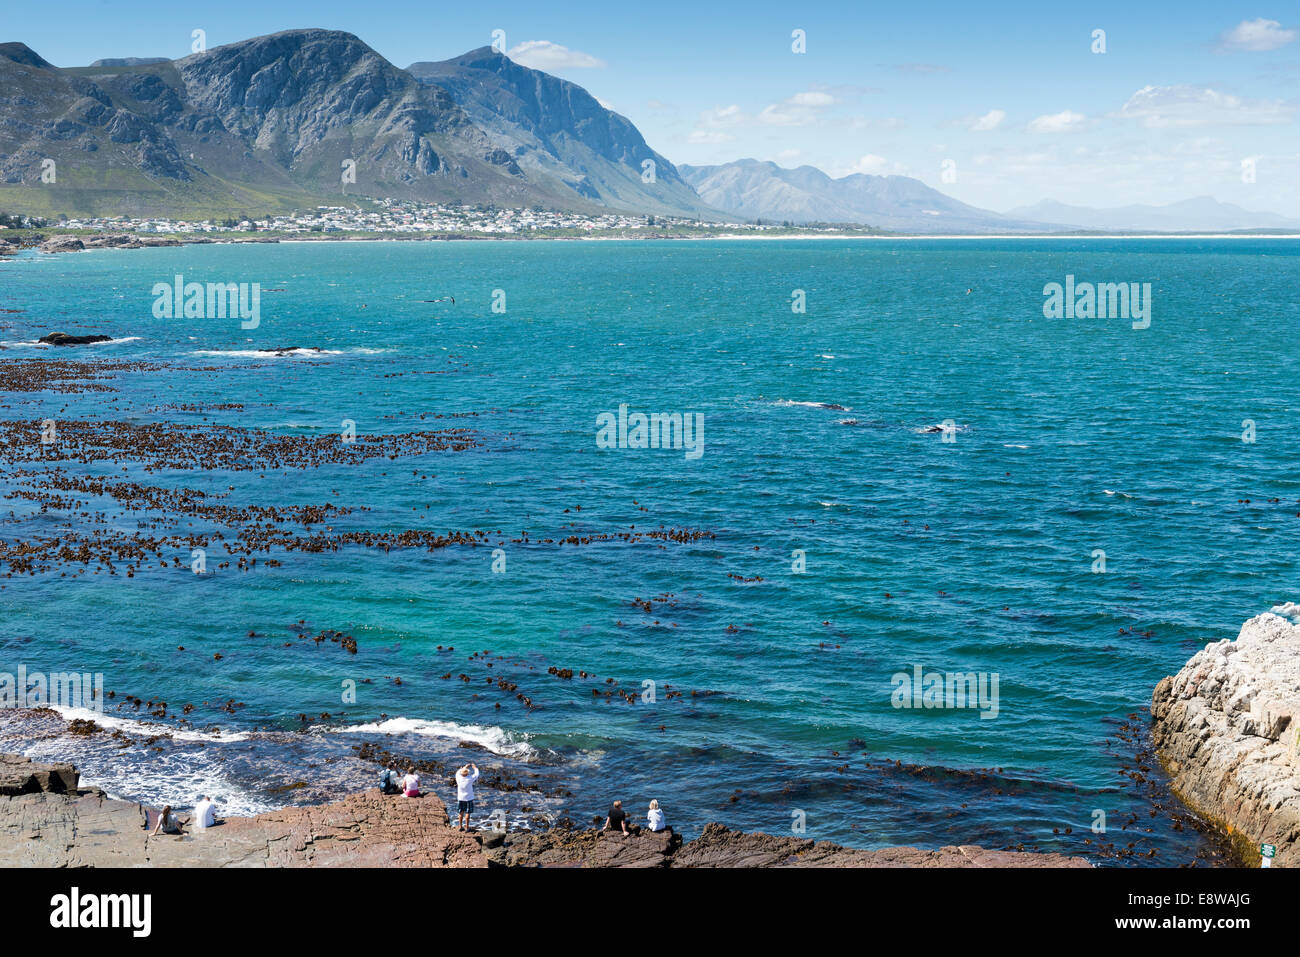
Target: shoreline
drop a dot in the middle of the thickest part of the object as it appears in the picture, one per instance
(338, 773)
(48, 820)
(68, 242)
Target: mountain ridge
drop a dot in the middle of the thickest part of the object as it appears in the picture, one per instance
(756, 189)
(556, 128)
(270, 123)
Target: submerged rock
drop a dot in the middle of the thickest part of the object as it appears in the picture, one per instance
(1227, 726)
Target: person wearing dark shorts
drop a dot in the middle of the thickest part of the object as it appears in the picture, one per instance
(465, 779)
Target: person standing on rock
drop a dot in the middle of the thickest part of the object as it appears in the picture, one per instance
(465, 779)
(411, 783)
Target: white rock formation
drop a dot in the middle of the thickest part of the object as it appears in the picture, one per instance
(1227, 728)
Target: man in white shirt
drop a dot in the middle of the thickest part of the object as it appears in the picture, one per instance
(465, 793)
(205, 814)
(411, 783)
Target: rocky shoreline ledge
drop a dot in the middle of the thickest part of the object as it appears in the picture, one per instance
(1226, 729)
(47, 820)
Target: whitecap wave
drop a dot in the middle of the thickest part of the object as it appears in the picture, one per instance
(286, 353)
(497, 740)
(814, 405)
(113, 722)
(1288, 610)
(37, 344)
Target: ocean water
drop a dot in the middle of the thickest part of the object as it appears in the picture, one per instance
(771, 689)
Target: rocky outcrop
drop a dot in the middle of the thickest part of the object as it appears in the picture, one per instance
(63, 339)
(1226, 727)
(62, 244)
(47, 821)
(20, 775)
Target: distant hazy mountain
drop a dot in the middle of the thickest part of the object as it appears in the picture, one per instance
(131, 61)
(1204, 213)
(555, 128)
(763, 190)
(267, 124)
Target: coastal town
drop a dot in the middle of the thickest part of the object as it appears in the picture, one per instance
(403, 218)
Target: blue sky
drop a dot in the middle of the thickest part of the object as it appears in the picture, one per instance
(1011, 97)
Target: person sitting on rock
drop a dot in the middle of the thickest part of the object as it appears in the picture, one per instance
(411, 783)
(617, 819)
(656, 819)
(168, 823)
(205, 814)
(388, 781)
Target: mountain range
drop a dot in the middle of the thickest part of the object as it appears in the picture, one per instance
(272, 124)
(762, 190)
(1204, 213)
(269, 123)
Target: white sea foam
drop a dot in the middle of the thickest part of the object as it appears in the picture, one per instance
(286, 353)
(146, 728)
(1289, 610)
(497, 740)
(37, 344)
(814, 405)
(177, 778)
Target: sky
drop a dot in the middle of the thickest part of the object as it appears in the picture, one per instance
(998, 105)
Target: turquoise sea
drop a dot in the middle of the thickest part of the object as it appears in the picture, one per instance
(823, 434)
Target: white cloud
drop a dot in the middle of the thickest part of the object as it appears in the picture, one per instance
(871, 164)
(1256, 35)
(1187, 106)
(1067, 121)
(709, 136)
(815, 98)
(799, 110)
(883, 123)
(989, 121)
(722, 116)
(550, 57)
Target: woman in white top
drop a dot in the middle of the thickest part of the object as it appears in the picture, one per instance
(411, 783)
(656, 817)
